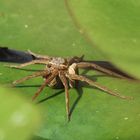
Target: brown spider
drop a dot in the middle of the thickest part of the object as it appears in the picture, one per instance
(65, 70)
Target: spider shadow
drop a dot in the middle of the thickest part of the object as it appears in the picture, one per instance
(34, 137)
(45, 99)
(26, 86)
(50, 97)
(80, 93)
(25, 69)
(111, 67)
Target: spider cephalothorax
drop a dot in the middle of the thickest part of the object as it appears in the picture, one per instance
(64, 71)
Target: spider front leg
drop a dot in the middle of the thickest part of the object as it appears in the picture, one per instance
(99, 68)
(92, 83)
(36, 74)
(47, 81)
(29, 63)
(65, 83)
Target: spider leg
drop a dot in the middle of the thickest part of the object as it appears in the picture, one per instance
(47, 81)
(65, 83)
(39, 90)
(97, 67)
(92, 83)
(36, 74)
(29, 63)
(38, 56)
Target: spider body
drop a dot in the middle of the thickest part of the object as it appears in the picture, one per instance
(60, 64)
(64, 71)
(57, 62)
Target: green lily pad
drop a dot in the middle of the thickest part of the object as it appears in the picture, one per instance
(113, 27)
(46, 28)
(19, 119)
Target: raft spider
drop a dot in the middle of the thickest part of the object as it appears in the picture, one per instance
(66, 70)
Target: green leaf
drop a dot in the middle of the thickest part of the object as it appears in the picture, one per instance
(45, 27)
(113, 27)
(19, 119)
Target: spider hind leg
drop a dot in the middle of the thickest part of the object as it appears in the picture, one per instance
(95, 84)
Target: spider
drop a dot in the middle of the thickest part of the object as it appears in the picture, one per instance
(64, 70)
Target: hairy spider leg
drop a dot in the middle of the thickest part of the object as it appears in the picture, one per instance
(47, 81)
(36, 74)
(65, 83)
(99, 68)
(38, 55)
(41, 61)
(92, 83)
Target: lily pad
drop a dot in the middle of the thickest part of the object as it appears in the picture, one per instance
(113, 27)
(45, 27)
